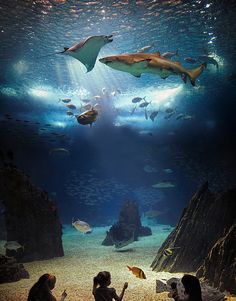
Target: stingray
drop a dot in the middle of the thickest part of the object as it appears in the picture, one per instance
(87, 50)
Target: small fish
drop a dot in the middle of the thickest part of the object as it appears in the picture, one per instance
(168, 55)
(153, 213)
(97, 97)
(145, 48)
(137, 272)
(65, 100)
(69, 113)
(208, 60)
(81, 226)
(153, 115)
(169, 110)
(88, 117)
(138, 99)
(59, 150)
(13, 245)
(123, 243)
(86, 107)
(145, 113)
(144, 104)
(167, 252)
(133, 110)
(180, 116)
(168, 170)
(190, 60)
(71, 107)
(163, 184)
(86, 100)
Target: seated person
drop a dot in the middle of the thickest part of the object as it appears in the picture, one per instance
(41, 290)
(102, 292)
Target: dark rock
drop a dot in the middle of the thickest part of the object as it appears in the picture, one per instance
(10, 270)
(31, 217)
(128, 226)
(207, 217)
(219, 267)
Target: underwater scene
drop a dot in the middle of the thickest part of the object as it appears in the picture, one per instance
(117, 152)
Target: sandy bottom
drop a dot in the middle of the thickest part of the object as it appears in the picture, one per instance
(84, 258)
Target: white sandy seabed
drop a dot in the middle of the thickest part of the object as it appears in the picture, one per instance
(85, 257)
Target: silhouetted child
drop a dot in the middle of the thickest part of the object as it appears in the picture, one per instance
(102, 292)
(41, 290)
(192, 288)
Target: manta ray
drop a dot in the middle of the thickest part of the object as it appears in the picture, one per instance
(87, 50)
(138, 63)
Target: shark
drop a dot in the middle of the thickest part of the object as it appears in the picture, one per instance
(139, 63)
(87, 50)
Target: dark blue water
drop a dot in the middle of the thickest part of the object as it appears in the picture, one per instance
(123, 155)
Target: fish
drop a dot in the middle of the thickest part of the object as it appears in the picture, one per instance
(86, 107)
(65, 100)
(133, 110)
(153, 63)
(208, 60)
(169, 110)
(169, 54)
(137, 272)
(145, 113)
(149, 169)
(180, 116)
(123, 243)
(153, 115)
(13, 245)
(71, 107)
(190, 60)
(87, 50)
(153, 213)
(85, 100)
(59, 150)
(81, 226)
(87, 117)
(144, 104)
(168, 170)
(69, 113)
(138, 99)
(169, 251)
(145, 48)
(163, 184)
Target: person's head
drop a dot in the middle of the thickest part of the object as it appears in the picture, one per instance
(192, 287)
(102, 279)
(47, 279)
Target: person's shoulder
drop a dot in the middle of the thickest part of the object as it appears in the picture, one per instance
(112, 289)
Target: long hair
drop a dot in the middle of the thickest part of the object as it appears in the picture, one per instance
(102, 278)
(41, 290)
(192, 287)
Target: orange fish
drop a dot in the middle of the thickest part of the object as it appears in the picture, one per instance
(137, 272)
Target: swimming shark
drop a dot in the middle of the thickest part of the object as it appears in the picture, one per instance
(138, 63)
(87, 50)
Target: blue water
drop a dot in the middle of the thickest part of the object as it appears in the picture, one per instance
(123, 155)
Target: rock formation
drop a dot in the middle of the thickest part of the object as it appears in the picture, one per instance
(31, 217)
(128, 226)
(207, 218)
(10, 270)
(219, 267)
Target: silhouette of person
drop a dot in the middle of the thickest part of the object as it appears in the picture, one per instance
(41, 290)
(102, 292)
(192, 288)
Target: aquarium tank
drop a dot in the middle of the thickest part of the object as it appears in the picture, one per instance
(117, 153)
